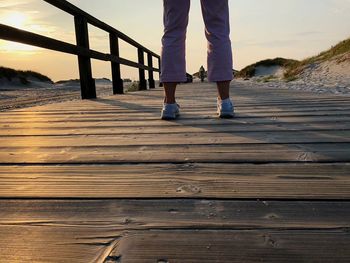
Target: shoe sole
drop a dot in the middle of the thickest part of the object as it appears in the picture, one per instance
(226, 115)
(170, 118)
(165, 118)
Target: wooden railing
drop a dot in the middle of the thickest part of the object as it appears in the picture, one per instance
(85, 54)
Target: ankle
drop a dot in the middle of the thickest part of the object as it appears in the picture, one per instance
(224, 99)
(169, 101)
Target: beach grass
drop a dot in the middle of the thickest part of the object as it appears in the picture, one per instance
(134, 86)
(249, 71)
(295, 69)
(11, 74)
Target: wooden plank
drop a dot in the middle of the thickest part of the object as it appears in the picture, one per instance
(155, 109)
(151, 110)
(118, 87)
(55, 244)
(25, 37)
(236, 153)
(226, 181)
(193, 122)
(176, 214)
(87, 83)
(90, 231)
(241, 100)
(233, 246)
(151, 82)
(184, 138)
(189, 117)
(125, 128)
(99, 110)
(240, 105)
(214, 123)
(142, 79)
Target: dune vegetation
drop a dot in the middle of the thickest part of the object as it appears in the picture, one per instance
(295, 69)
(249, 71)
(24, 76)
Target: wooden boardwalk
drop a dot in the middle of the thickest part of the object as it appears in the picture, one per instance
(106, 181)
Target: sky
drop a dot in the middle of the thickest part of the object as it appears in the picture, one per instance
(260, 29)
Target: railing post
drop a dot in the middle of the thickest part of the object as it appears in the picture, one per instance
(150, 71)
(143, 83)
(160, 70)
(87, 83)
(118, 87)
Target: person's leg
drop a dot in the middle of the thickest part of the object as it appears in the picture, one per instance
(220, 65)
(224, 103)
(169, 91)
(173, 66)
(223, 89)
(217, 31)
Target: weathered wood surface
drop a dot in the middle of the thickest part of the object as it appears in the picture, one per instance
(107, 181)
(233, 246)
(87, 231)
(224, 181)
(209, 153)
(138, 214)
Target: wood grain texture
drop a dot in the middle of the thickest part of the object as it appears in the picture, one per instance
(133, 129)
(176, 230)
(106, 181)
(201, 214)
(55, 244)
(226, 181)
(233, 246)
(210, 153)
(184, 138)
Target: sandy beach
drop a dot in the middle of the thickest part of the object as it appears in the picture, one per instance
(15, 95)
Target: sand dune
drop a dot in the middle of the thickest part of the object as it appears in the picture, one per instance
(328, 72)
(333, 72)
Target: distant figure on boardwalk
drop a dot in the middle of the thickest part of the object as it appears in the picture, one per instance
(202, 73)
(173, 66)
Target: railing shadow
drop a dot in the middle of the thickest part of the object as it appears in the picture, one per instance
(313, 143)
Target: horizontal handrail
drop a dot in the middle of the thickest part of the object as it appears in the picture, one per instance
(75, 11)
(83, 51)
(29, 38)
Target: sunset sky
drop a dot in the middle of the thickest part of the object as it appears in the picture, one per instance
(260, 29)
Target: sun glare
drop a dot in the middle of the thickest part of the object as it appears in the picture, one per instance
(18, 20)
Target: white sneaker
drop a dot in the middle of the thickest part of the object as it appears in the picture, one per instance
(226, 109)
(170, 111)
